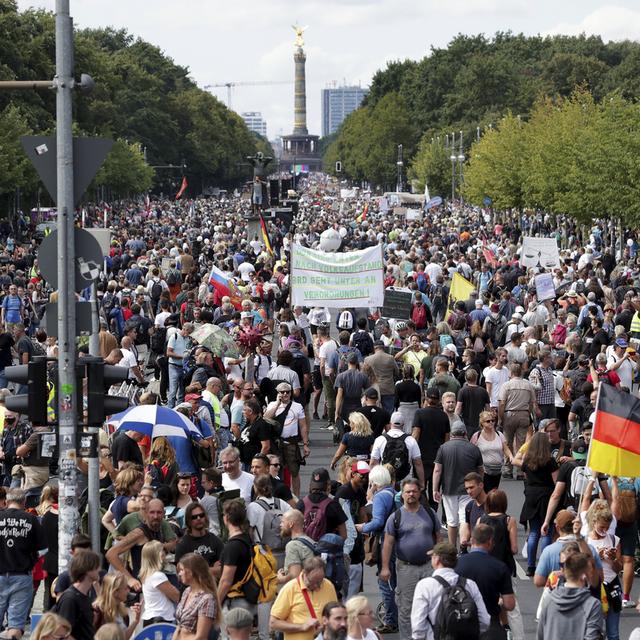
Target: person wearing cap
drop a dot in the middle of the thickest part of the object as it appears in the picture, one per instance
(386, 371)
(285, 410)
(283, 372)
(411, 532)
(354, 493)
(319, 494)
(515, 325)
(455, 459)
(568, 526)
(479, 314)
(349, 386)
(377, 416)
(624, 361)
(395, 429)
(429, 592)
(238, 624)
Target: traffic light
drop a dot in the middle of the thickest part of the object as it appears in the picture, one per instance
(100, 377)
(34, 403)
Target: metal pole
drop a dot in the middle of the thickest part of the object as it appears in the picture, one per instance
(94, 462)
(67, 392)
(27, 84)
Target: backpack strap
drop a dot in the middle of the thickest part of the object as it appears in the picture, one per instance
(307, 544)
(397, 519)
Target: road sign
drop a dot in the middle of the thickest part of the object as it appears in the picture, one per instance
(89, 259)
(103, 236)
(83, 318)
(88, 156)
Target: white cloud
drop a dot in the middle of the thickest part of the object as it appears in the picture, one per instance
(611, 22)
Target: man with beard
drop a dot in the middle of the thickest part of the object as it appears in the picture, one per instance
(298, 548)
(198, 539)
(334, 622)
(150, 529)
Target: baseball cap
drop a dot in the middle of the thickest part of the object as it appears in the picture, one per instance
(621, 342)
(495, 307)
(397, 419)
(450, 347)
(283, 386)
(563, 518)
(352, 358)
(517, 316)
(572, 294)
(519, 309)
(479, 303)
(360, 467)
(319, 478)
(372, 393)
(579, 449)
(192, 396)
(433, 392)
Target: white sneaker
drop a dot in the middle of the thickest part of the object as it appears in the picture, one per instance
(627, 604)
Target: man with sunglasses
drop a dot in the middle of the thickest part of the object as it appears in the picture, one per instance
(261, 465)
(290, 414)
(198, 539)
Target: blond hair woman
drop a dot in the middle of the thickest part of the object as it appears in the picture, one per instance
(51, 627)
(360, 619)
(160, 596)
(110, 605)
(357, 442)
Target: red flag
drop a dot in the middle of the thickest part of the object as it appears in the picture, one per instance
(183, 187)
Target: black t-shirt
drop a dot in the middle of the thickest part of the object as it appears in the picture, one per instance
(76, 608)
(434, 426)
(490, 574)
(34, 459)
(25, 346)
(209, 546)
(335, 515)
(6, 342)
(474, 400)
(377, 417)
(560, 449)
(279, 490)
(126, 449)
(357, 499)
(21, 537)
(358, 445)
(251, 439)
(237, 553)
(540, 477)
(50, 531)
(407, 391)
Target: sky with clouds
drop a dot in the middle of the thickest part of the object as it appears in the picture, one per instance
(346, 41)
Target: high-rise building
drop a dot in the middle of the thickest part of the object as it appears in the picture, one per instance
(337, 104)
(255, 122)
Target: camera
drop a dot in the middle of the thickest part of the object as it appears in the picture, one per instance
(133, 597)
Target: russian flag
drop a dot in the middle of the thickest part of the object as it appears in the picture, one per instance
(224, 286)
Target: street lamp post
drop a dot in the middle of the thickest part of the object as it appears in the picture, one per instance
(460, 166)
(400, 164)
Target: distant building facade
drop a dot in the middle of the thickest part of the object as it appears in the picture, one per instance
(255, 122)
(337, 104)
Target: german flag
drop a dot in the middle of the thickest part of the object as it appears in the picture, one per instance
(615, 442)
(265, 236)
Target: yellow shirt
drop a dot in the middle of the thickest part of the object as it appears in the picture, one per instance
(291, 606)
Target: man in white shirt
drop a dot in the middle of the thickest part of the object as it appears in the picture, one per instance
(623, 362)
(428, 593)
(294, 431)
(496, 376)
(326, 350)
(130, 359)
(395, 429)
(234, 477)
(246, 269)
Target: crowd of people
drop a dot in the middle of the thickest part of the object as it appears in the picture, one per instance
(431, 414)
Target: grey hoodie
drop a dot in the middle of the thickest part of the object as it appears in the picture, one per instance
(570, 614)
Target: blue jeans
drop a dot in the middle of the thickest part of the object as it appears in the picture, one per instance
(613, 625)
(175, 394)
(388, 402)
(387, 594)
(16, 593)
(533, 539)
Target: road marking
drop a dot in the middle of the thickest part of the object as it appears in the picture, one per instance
(521, 573)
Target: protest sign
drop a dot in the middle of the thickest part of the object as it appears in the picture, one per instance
(544, 287)
(352, 279)
(540, 252)
(397, 304)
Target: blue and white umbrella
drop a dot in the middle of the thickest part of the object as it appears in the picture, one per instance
(154, 420)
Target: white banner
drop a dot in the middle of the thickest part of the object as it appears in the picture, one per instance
(352, 279)
(544, 287)
(540, 252)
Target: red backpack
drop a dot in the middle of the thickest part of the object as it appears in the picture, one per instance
(419, 316)
(315, 517)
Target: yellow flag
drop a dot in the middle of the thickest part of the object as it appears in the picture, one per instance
(460, 289)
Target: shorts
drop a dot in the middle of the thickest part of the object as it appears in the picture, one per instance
(454, 508)
(291, 457)
(16, 593)
(316, 378)
(628, 534)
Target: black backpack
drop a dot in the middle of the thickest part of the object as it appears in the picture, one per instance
(159, 340)
(363, 343)
(457, 614)
(156, 291)
(397, 455)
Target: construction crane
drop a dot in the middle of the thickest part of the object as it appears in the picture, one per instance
(257, 83)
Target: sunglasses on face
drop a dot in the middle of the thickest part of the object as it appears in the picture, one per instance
(198, 516)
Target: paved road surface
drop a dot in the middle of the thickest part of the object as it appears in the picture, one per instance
(528, 595)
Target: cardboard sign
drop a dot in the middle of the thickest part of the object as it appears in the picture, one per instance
(544, 287)
(397, 304)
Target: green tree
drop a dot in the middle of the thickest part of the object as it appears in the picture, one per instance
(15, 168)
(125, 171)
(431, 164)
